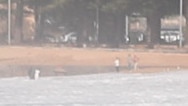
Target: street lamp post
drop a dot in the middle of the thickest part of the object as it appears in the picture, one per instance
(97, 21)
(9, 22)
(126, 28)
(180, 25)
(97, 24)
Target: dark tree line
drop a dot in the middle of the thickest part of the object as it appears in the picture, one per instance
(109, 15)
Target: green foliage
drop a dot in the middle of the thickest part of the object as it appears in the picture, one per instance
(116, 5)
(164, 7)
(74, 12)
(144, 7)
(3, 1)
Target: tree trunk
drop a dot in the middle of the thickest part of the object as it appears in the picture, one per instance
(113, 38)
(154, 26)
(36, 10)
(120, 28)
(18, 30)
(186, 16)
(104, 31)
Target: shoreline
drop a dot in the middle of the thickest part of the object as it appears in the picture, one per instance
(46, 71)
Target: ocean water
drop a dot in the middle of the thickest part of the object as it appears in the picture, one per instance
(110, 89)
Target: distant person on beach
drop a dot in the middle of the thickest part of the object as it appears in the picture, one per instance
(135, 62)
(33, 73)
(117, 64)
(129, 62)
(36, 74)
